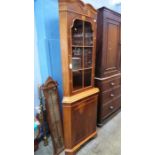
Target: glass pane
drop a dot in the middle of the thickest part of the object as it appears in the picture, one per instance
(88, 37)
(77, 33)
(88, 57)
(77, 80)
(76, 58)
(87, 77)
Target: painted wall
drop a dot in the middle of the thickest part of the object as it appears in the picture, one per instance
(47, 45)
(37, 74)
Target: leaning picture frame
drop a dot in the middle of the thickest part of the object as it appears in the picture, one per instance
(54, 118)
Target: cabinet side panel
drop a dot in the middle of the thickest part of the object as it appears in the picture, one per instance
(64, 52)
(67, 126)
(99, 45)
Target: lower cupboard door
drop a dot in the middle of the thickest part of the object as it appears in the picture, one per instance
(83, 120)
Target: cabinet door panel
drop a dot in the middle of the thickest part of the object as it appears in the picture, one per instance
(112, 46)
(77, 80)
(84, 119)
(88, 57)
(82, 63)
(87, 77)
(76, 58)
(77, 33)
(88, 34)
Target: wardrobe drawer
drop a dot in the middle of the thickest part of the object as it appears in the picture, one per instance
(109, 108)
(109, 95)
(110, 84)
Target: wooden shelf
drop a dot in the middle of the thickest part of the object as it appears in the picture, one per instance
(87, 68)
(76, 70)
(81, 69)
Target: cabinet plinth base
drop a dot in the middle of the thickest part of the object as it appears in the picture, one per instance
(75, 148)
(104, 121)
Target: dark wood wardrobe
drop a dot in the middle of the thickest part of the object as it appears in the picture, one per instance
(108, 63)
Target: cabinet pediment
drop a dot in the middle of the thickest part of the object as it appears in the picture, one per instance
(77, 6)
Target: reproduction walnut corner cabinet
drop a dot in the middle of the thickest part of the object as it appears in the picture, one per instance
(78, 41)
(108, 58)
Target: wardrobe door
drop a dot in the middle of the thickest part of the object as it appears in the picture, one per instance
(112, 47)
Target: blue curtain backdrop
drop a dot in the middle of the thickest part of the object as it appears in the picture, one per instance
(47, 45)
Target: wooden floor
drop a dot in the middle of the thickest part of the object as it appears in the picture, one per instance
(108, 141)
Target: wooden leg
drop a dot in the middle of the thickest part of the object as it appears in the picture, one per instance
(73, 150)
(70, 153)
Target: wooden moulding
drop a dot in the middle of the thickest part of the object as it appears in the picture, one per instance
(82, 95)
(80, 3)
(108, 77)
(53, 114)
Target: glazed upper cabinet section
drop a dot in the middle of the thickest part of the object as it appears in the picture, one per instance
(82, 54)
(78, 40)
(108, 43)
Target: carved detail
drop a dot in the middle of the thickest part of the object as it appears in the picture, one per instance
(86, 8)
(49, 84)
